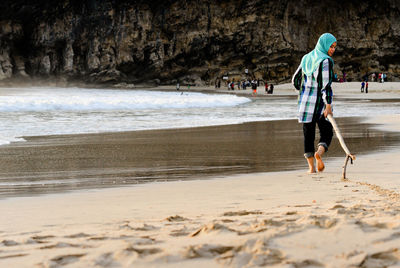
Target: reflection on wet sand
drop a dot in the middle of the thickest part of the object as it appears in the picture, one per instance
(59, 163)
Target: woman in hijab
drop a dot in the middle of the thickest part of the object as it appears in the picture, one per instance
(313, 79)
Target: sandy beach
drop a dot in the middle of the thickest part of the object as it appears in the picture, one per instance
(242, 219)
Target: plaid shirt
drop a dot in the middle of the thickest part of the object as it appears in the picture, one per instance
(315, 91)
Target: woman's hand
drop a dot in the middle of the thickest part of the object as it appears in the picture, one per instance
(328, 110)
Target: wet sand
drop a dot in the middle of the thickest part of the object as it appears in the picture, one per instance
(74, 162)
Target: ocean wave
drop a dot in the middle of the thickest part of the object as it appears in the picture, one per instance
(106, 100)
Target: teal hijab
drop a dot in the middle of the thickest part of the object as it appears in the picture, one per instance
(311, 61)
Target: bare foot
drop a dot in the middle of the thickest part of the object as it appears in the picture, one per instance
(311, 166)
(311, 171)
(320, 164)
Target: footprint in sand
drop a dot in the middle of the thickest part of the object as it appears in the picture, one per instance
(180, 232)
(176, 218)
(205, 250)
(241, 213)
(302, 206)
(271, 222)
(107, 260)
(307, 263)
(9, 243)
(393, 236)
(66, 259)
(289, 213)
(146, 227)
(41, 239)
(144, 241)
(13, 256)
(143, 251)
(257, 254)
(227, 220)
(64, 245)
(381, 259)
(324, 222)
(97, 238)
(352, 211)
(337, 207)
(212, 227)
(371, 227)
(78, 235)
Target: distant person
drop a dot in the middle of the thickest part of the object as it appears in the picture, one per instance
(373, 77)
(254, 87)
(313, 79)
(178, 86)
(271, 89)
(380, 78)
(266, 87)
(336, 78)
(362, 86)
(366, 87)
(383, 77)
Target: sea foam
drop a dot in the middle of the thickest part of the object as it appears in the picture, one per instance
(52, 111)
(86, 100)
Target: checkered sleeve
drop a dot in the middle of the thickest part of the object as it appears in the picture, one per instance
(327, 75)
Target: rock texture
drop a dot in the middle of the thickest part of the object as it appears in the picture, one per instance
(195, 41)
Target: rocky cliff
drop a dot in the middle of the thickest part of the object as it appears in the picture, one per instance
(196, 41)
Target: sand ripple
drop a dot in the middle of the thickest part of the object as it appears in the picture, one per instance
(285, 236)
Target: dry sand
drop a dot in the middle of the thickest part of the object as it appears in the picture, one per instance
(284, 219)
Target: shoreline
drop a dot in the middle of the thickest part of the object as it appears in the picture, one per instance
(284, 219)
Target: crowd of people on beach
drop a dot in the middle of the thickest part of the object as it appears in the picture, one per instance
(269, 88)
(375, 77)
(240, 85)
(379, 77)
(253, 84)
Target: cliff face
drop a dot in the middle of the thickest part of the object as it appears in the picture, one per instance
(194, 41)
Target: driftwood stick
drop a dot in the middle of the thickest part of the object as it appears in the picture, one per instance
(345, 165)
(343, 144)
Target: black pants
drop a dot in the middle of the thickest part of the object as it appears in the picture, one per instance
(325, 130)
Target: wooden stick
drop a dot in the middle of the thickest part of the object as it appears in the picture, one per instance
(345, 165)
(343, 144)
